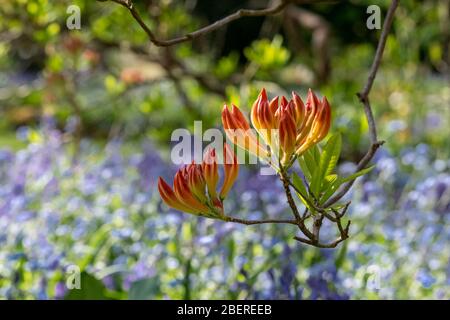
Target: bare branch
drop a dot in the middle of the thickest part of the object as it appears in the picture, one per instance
(291, 202)
(364, 98)
(321, 245)
(252, 222)
(380, 49)
(317, 225)
(200, 32)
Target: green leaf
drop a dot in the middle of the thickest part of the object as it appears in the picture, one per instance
(330, 154)
(338, 206)
(144, 289)
(332, 187)
(316, 181)
(340, 259)
(316, 153)
(311, 163)
(268, 54)
(328, 181)
(302, 193)
(97, 242)
(90, 289)
(304, 167)
(226, 65)
(312, 160)
(358, 174)
(298, 183)
(328, 160)
(231, 245)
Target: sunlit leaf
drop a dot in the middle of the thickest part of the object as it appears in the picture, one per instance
(301, 191)
(304, 167)
(357, 174)
(330, 154)
(90, 289)
(330, 190)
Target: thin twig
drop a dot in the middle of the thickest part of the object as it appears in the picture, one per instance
(207, 29)
(306, 214)
(291, 202)
(252, 222)
(364, 98)
(317, 225)
(321, 245)
(380, 49)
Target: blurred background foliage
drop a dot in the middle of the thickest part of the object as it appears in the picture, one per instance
(95, 98)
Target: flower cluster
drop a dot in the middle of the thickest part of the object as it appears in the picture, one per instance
(194, 186)
(288, 127)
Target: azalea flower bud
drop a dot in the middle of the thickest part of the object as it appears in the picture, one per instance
(231, 170)
(194, 186)
(238, 131)
(211, 171)
(299, 125)
(287, 134)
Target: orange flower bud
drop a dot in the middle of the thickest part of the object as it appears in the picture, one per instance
(318, 122)
(184, 194)
(231, 170)
(238, 131)
(190, 184)
(210, 171)
(288, 132)
(299, 109)
(170, 198)
(196, 182)
(300, 125)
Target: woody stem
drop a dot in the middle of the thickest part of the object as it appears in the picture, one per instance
(300, 222)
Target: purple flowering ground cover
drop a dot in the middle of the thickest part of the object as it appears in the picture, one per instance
(100, 211)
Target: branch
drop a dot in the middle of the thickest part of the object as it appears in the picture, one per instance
(321, 245)
(291, 202)
(317, 225)
(364, 98)
(200, 32)
(380, 49)
(252, 222)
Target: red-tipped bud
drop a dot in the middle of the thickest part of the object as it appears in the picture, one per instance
(283, 102)
(238, 131)
(210, 171)
(299, 108)
(184, 195)
(231, 170)
(308, 122)
(197, 182)
(169, 197)
(316, 128)
(288, 134)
